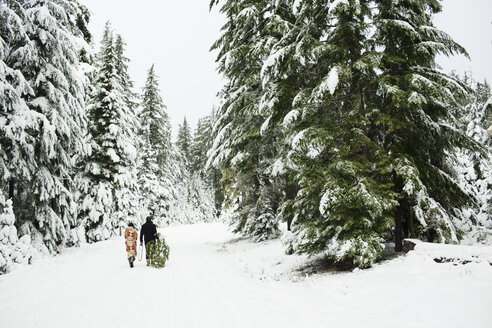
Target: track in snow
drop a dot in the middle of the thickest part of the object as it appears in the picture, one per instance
(202, 286)
(94, 287)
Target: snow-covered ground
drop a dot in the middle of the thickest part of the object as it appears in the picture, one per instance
(213, 280)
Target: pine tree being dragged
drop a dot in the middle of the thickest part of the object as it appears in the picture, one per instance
(158, 252)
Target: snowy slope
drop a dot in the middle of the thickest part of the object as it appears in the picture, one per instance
(214, 281)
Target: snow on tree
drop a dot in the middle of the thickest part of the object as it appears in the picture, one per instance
(202, 141)
(487, 121)
(386, 135)
(12, 249)
(385, 145)
(126, 82)
(177, 180)
(337, 107)
(155, 150)
(479, 112)
(170, 192)
(108, 183)
(190, 198)
(418, 98)
(344, 203)
(16, 148)
(210, 176)
(126, 195)
(201, 198)
(474, 168)
(239, 150)
(184, 140)
(202, 188)
(46, 61)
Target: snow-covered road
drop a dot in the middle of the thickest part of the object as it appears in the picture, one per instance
(211, 283)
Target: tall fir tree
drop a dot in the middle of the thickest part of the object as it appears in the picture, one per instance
(127, 203)
(184, 139)
(340, 104)
(474, 169)
(202, 141)
(130, 97)
(154, 154)
(203, 192)
(108, 183)
(344, 203)
(239, 150)
(416, 98)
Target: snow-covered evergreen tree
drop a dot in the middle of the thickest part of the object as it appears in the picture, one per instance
(202, 141)
(48, 54)
(474, 168)
(201, 188)
(126, 195)
(153, 173)
(385, 135)
(17, 160)
(239, 149)
(186, 205)
(109, 181)
(487, 121)
(130, 97)
(344, 203)
(12, 249)
(201, 198)
(184, 140)
(417, 99)
(342, 103)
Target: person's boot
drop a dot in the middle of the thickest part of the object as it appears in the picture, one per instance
(148, 262)
(130, 262)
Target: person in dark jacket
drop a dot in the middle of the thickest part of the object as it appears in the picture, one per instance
(148, 233)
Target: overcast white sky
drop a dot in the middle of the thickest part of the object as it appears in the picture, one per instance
(176, 35)
(469, 22)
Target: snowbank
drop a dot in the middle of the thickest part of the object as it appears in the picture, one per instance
(453, 253)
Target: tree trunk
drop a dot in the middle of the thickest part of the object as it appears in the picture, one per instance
(290, 194)
(399, 229)
(411, 227)
(11, 188)
(289, 222)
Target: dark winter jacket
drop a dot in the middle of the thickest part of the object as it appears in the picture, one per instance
(148, 232)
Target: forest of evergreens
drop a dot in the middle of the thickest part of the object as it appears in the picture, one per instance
(335, 121)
